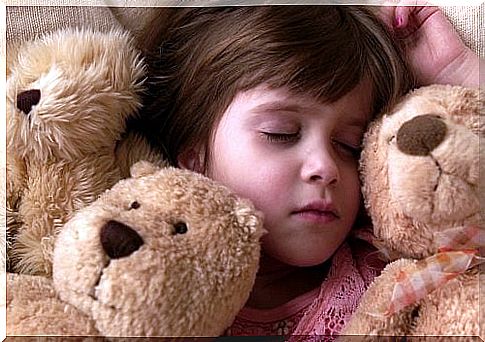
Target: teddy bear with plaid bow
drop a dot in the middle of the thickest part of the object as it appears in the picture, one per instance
(420, 172)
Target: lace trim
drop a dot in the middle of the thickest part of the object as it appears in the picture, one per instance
(281, 312)
(353, 267)
(248, 327)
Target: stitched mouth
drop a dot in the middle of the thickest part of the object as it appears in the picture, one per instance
(92, 292)
(443, 172)
(440, 190)
(435, 188)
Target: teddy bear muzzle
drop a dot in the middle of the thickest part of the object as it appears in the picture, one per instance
(421, 135)
(27, 99)
(119, 240)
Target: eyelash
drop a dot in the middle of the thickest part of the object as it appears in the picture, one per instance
(281, 137)
(355, 151)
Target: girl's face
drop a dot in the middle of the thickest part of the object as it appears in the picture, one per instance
(296, 159)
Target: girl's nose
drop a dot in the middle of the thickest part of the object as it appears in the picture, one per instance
(320, 167)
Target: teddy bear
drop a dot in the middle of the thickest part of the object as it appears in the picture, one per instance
(420, 175)
(69, 96)
(166, 252)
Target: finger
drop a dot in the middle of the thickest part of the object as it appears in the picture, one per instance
(401, 16)
(407, 9)
(396, 13)
(408, 20)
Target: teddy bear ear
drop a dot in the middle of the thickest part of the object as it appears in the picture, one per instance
(143, 168)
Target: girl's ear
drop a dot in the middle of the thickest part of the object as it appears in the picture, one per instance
(192, 159)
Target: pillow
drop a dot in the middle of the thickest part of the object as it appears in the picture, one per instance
(468, 21)
(28, 22)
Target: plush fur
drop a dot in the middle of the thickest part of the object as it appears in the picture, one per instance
(186, 268)
(35, 309)
(412, 192)
(69, 95)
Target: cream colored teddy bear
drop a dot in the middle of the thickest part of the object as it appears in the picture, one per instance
(420, 172)
(69, 95)
(165, 253)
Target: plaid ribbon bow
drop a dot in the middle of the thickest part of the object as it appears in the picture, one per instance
(458, 253)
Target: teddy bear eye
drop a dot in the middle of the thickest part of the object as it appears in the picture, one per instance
(180, 228)
(135, 205)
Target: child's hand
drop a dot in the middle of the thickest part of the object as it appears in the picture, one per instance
(434, 50)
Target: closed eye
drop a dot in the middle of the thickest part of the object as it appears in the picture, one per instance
(348, 149)
(281, 137)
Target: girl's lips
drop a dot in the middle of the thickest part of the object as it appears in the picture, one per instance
(317, 212)
(315, 216)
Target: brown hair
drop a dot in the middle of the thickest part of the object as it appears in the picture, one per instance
(210, 54)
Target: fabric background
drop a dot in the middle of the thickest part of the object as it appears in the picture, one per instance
(468, 21)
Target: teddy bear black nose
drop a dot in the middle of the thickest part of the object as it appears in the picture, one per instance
(421, 135)
(27, 99)
(119, 240)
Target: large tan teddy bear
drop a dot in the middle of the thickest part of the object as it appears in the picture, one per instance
(420, 172)
(69, 96)
(167, 252)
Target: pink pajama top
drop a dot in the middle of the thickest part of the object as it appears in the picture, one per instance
(324, 310)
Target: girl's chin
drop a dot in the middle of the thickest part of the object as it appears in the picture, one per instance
(304, 256)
